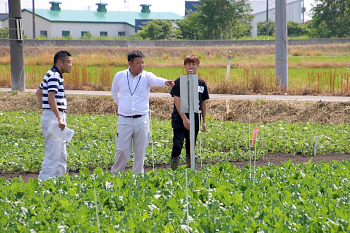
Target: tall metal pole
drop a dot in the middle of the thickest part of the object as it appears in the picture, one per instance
(267, 17)
(192, 122)
(281, 44)
(303, 12)
(33, 19)
(16, 46)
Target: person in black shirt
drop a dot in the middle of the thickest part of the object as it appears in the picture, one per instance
(180, 121)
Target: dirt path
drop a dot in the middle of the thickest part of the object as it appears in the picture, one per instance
(270, 158)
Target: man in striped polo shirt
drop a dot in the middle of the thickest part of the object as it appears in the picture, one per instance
(52, 99)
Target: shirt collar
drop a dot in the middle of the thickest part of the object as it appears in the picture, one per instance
(56, 70)
(137, 76)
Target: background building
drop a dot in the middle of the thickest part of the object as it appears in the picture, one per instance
(2, 17)
(191, 5)
(54, 22)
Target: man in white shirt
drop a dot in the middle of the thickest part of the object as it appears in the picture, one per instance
(130, 90)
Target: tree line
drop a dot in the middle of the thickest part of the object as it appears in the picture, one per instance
(214, 19)
(231, 19)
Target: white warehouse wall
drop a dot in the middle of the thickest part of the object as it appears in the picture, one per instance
(293, 14)
(55, 29)
(94, 28)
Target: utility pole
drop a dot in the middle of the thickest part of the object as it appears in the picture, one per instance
(281, 44)
(33, 19)
(303, 12)
(267, 17)
(16, 46)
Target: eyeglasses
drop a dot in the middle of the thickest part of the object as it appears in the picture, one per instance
(69, 62)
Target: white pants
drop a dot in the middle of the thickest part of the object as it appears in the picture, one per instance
(55, 159)
(136, 130)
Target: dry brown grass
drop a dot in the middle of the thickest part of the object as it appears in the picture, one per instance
(223, 110)
(116, 55)
(250, 81)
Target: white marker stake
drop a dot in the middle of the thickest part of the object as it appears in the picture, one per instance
(261, 131)
(254, 162)
(192, 121)
(250, 155)
(188, 214)
(98, 220)
(315, 148)
(200, 137)
(150, 113)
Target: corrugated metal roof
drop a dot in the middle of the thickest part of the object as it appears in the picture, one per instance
(79, 16)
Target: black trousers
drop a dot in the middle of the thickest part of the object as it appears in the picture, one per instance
(178, 142)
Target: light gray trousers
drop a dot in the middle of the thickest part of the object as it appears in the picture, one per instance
(131, 132)
(55, 159)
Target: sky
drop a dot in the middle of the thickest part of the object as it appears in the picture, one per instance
(176, 6)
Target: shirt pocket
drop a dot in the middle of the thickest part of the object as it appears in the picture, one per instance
(142, 91)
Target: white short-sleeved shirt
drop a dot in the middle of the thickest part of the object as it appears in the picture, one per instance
(132, 93)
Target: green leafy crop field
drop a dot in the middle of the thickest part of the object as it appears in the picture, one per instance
(308, 197)
(303, 197)
(93, 145)
(288, 198)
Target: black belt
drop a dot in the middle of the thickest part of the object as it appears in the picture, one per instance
(60, 110)
(134, 116)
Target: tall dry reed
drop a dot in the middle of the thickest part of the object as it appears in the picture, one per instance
(250, 81)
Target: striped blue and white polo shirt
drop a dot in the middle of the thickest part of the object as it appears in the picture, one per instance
(53, 81)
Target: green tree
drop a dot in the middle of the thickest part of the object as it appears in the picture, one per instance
(87, 36)
(191, 27)
(214, 13)
(296, 29)
(293, 28)
(4, 33)
(217, 19)
(158, 30)
(330, 18)
(240, 23)
(262, 28)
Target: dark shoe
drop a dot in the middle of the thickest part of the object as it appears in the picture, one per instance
(174, 162)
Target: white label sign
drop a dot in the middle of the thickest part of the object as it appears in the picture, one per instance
(66, 134)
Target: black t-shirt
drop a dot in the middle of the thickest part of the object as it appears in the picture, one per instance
(203, 95)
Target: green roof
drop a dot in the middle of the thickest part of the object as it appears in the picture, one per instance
(3, 16)
(79, 16)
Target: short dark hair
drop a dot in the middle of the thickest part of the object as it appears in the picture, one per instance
(191, 59)
(134, 54)
(61, 55)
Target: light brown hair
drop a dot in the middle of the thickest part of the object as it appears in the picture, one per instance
(191, 59)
